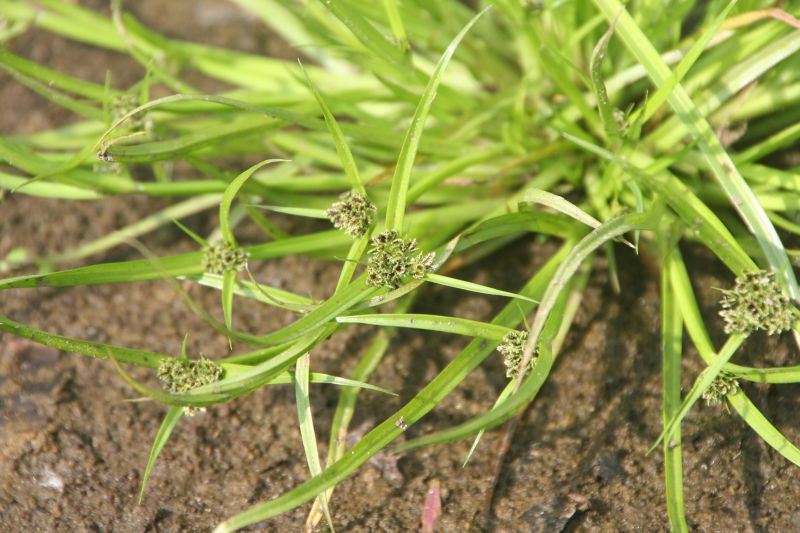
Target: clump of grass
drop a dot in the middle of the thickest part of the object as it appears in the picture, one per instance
(352, 213)
(756, 302)
(393, 260)
(471, 129)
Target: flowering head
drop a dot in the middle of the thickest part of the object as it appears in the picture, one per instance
(756, 302)
(352, 214)
(513, 349)
(722, 385)
(221, 257)
(393, 259)
(182, 375)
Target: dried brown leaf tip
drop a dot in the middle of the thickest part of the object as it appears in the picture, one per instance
(724, 384)
(352, 214)
(222, 257)
(393, 259)
(756, 302)
(513, 348)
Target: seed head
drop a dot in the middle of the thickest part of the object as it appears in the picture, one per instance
(221, 257)
(393, 259)
(724, 384)
(513, 348)
(182, 375)
(124, 104)
(756, 302)
(352, 214)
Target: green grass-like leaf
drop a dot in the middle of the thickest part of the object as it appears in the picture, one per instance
(526, 389)
(702, 383)
(718, 160)
(168, 425)
(348, 162)
(701, 340)
(230, 194)
(471, 287)
(447, 324)
(395, 209)
(307, 433)
(672, 346)
(92, 349)
(387, 431)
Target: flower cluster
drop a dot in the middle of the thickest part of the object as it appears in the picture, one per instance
(756, 302)
(221, 257)
(352, 214)
(122, 105)
(512, 348)
(722, 385)
(393, 259)
(182, 375)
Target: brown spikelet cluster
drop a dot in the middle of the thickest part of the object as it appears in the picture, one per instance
(513, 348)
(393, 259)
(722, 385)
(352, 214)
(756, 302)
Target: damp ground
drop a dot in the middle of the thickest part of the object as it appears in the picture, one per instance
(72, 449)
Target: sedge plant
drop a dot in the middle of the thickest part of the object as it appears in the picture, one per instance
(456, 129)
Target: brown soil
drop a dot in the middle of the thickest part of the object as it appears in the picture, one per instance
(72, 450)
